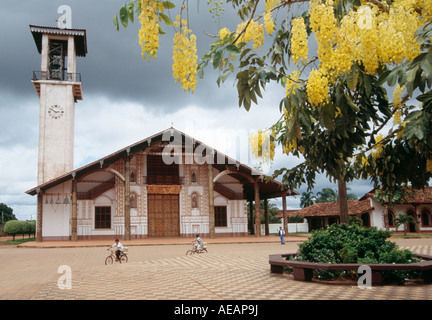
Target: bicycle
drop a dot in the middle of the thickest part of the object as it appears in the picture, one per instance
(195, 250)
(112, 257)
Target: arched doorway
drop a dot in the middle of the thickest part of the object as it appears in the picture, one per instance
(412, 226)
(366, 219)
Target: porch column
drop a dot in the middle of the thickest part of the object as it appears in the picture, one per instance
(257, 210)
(386, 219)
(266, 217)
(284, 214)
(251, 217)
(211, 202)
(39, 216)
(127, 199)
(74, 220)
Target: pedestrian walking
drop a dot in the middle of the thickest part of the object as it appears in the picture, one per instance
(282, 235)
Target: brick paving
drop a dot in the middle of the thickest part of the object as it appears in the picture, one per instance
(158, 269)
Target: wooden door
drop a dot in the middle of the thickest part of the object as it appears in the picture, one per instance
(163, 215)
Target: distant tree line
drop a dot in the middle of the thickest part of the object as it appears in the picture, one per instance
(16, 227)
(6, 214)
(11, 226)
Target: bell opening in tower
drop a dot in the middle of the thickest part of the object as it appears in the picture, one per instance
(57, 60)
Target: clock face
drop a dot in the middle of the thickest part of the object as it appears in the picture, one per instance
(55, 112)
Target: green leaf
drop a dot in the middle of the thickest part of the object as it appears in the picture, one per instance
(165, 19)
(392, 77)
(130, 9)
(352, 79)
(353, 106)
(168, 5)
(383, 77)
(223, 76)
(426, 66)
(217, 58)
(200, 70)
(116, 23)
(124, 17)
(327, 116)
(232, 49)
(410, 75)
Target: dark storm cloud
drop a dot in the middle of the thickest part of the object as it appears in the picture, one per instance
(114, 66)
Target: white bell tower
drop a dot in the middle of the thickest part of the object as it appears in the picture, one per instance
(58, 87)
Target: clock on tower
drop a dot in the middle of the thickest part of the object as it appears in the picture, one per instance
(58, 87)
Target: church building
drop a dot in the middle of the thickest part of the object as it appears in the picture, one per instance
(166, 185)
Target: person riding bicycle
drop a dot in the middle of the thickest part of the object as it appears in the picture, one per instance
(119, 248)
(198, 243)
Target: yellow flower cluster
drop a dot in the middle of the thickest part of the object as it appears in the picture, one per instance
(317, 88)
(254, 32)
(268, 20)
(261, 146)
(223, 33)
(292, 82)
(323, 23)
(378, 147)
(149, 31)
(397, 105)
(299, 41)
(185, 56)
(368, 36)
(289, 146)
(217, 9)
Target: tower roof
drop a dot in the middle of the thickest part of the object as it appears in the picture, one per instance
(79, 34)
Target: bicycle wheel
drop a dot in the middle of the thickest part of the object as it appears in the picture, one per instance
(109, 260)
(123, 258)
(189, 252)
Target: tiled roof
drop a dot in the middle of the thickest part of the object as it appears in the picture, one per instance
(328, 209)
(422, 196)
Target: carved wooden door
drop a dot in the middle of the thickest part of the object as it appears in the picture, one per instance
(163, 215)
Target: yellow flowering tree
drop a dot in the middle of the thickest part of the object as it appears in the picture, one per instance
(357, 106)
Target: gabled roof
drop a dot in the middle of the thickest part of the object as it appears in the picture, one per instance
(238, 170)
(329, 209)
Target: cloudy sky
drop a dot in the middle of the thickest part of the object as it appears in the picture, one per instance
(126, 98)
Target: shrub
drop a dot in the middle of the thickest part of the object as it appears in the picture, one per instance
(12, 227)
(343, 243)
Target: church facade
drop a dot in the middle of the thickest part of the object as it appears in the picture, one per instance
(157, 187)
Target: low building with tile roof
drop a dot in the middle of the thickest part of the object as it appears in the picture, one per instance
(373, 213)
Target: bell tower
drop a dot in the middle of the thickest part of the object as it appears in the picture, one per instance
(59, 88)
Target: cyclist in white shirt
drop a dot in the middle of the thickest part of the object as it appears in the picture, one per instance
(119, 247)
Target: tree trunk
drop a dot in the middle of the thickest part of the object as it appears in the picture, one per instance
(343, 201)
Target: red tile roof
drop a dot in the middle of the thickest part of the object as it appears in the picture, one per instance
(328, 209)
(421, 196)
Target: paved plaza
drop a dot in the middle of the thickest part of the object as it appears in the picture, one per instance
(160, 270)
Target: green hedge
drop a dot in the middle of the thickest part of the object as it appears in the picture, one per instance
(15, 227)
(351, 243)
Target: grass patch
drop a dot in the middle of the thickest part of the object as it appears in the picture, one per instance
(412, 235)
(17, 241)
